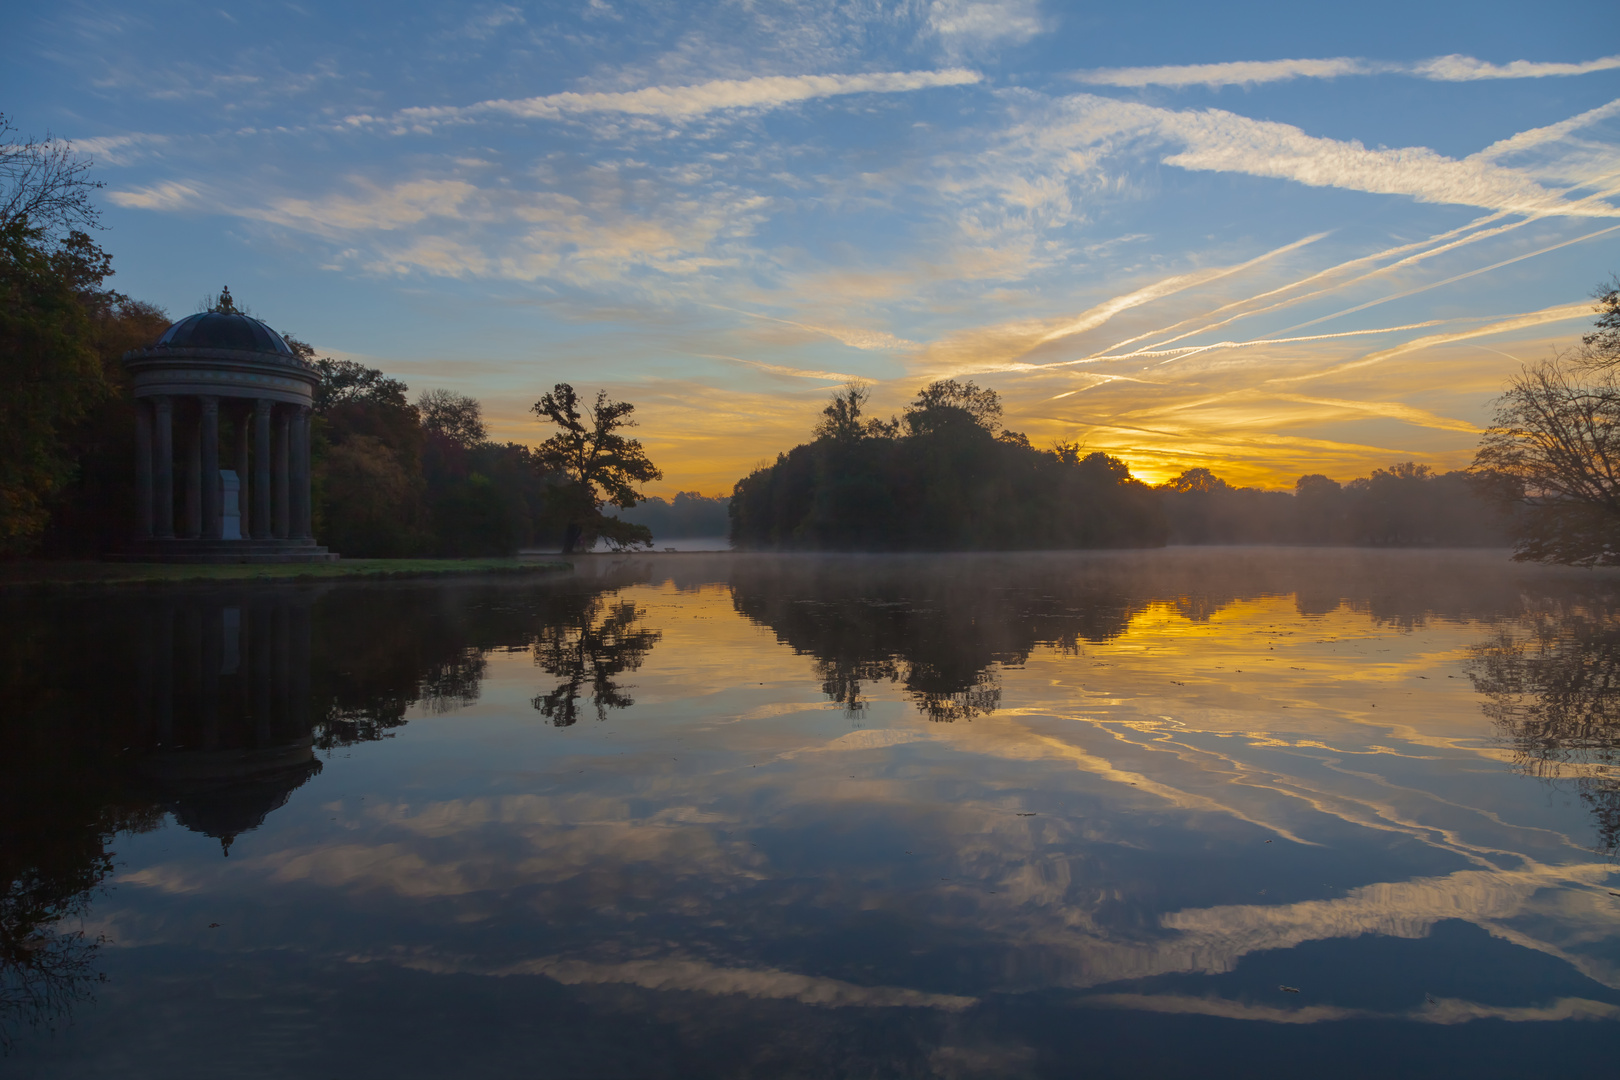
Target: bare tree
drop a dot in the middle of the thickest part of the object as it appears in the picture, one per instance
(1554, 449)
(1601, 348)
(44, 184)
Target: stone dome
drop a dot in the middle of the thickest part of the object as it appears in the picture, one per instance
(216, 330)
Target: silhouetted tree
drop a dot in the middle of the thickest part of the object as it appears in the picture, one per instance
(1601, 348)
(596, 467)
(1553, 452)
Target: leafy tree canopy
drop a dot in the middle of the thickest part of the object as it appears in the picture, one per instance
(951, 405)
(598, 466)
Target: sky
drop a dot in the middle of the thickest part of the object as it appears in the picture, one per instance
(1267, 239)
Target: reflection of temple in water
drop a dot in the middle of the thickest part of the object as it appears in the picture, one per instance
(222, 706)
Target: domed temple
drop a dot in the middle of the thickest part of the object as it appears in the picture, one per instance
(188, 509)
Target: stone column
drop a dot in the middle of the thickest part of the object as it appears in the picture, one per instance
(244, 507)
(281, 486)
(163, 488)
(261, 469)
(194, 484)
(300, 490)
(143, 470)
(212, 526)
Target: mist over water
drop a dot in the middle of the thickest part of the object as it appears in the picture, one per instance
(1187, 812)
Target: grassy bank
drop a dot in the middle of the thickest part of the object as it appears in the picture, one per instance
(58, 574)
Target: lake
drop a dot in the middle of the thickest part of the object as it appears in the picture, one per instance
(1191, 812)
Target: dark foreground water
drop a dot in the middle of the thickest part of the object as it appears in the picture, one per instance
(1185, 813)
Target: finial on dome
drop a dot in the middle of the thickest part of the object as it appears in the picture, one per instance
(225, 305)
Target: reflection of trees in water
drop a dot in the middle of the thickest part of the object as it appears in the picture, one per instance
(1552, 683)
(383, 650)
(941, 626)
(209, 704)
(48, 873)
(64, 793)
(940, 636)
(587, 642)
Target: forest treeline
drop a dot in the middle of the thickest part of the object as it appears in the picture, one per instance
(942, 477)
(1405, 505)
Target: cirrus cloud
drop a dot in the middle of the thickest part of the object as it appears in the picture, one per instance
(1453, 68)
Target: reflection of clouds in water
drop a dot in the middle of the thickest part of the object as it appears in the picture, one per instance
(1440, 1011)
(1020, 883)
(1157, 746)
(681, 974)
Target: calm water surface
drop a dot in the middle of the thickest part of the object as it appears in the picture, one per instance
(1180, 813)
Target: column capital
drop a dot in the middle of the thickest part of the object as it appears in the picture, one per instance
(210, 403)
(262, 406)
(161, 402)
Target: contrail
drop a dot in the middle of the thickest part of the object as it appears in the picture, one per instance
(1455, 278)
(1329, 271)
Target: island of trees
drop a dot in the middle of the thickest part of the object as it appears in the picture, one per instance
(942, 477)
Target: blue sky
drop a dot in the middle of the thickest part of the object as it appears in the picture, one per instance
(1269, 239)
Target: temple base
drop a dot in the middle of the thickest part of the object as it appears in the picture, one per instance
(222, 551)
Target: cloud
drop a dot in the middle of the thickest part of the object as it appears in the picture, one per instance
(168, 195)
(974, 27)
(783, 369)
(1236, 73)
(375, 207)
(119, 149)
(1219, 141)
(1535, 138)
(1086, 139)
(683, 102)
(1454, 68)
(854, 336)
(487, 22)
(1457, 68)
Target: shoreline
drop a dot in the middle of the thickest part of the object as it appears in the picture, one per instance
(68, 574)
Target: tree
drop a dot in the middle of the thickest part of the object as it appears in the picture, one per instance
(1553, 452)
(452, 416)
(45, 185)
(50, 274)
(948, 404)
(349, 380)
(1601, 348)
(597, 466)
(1198, 480)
